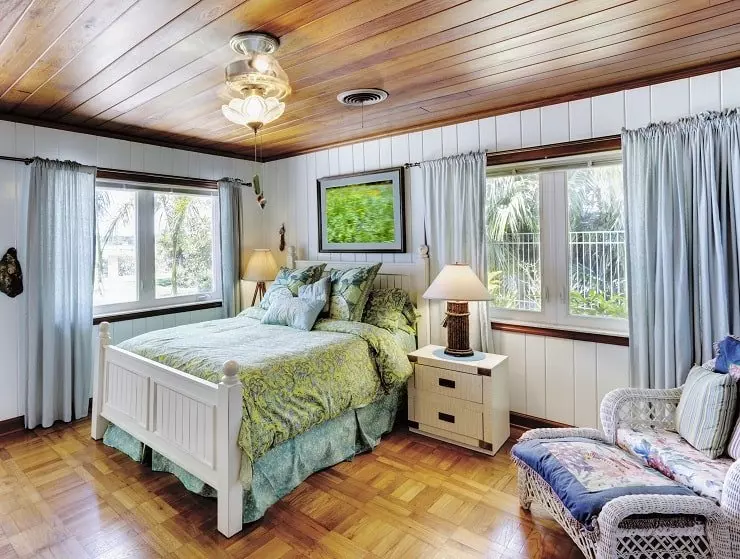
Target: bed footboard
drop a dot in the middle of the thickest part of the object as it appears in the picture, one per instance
(193, 422)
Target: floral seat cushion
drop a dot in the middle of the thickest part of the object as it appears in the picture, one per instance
(671, 455)
(586, 474)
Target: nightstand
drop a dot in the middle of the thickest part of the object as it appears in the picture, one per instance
(460, 400)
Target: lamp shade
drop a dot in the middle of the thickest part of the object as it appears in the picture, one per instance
(261, 266)
(457, 282)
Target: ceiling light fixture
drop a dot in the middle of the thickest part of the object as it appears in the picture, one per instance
(258, 79)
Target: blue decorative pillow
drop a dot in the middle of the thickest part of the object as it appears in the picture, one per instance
(728, 357)
(318, 291)
(288, 281)
(294, 312)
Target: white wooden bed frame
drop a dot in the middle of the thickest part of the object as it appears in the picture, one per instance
(193, 422)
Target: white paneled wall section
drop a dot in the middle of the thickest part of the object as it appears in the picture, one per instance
(551, 378)
(561, 380)
(22, 140)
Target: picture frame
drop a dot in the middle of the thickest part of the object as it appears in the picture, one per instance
(362, 212)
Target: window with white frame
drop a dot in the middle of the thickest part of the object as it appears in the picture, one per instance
(556, 243)
(155, 247)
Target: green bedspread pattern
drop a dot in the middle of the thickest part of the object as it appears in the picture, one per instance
(293, 380)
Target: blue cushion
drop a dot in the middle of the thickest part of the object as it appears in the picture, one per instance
(586, 474)
(317, 291)
(728, 354)
(294, 312)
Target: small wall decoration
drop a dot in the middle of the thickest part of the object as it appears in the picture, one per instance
(11, 277)
(281, 232)
(363, 212)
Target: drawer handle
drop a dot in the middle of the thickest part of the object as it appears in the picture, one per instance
(446, 417)
(447, 383)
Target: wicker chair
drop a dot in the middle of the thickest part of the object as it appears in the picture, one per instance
(636, 525)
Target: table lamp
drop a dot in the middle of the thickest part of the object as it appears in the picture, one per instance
(260, 268)
(457, 284)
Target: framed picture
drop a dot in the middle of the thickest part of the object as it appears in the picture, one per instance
(363, 212)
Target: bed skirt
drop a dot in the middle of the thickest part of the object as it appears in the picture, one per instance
(284, 467)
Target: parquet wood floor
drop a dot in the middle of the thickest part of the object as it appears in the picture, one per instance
(64, 495)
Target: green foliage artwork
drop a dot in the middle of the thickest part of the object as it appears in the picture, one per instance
(361, 213)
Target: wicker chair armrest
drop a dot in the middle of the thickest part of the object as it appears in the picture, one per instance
(553, 433)
(617, 510)
(638, 407)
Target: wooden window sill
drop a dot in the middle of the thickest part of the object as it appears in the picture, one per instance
(610, 339)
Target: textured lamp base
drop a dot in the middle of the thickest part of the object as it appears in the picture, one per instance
(260, 291)
(458, 330)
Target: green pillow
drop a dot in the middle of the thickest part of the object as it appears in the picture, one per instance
(389, 308)
(706, 410)
(288, 282)
(349, 291)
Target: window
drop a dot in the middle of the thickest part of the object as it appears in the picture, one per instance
(556, 243)
(154, 247)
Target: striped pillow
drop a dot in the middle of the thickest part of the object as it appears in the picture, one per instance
(733, 447)
(706, 410)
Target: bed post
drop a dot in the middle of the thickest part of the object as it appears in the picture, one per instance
(228, 458)
(291, 257)
(99, 423)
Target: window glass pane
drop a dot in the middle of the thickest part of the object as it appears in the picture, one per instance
(115, 247)
(513, 222)
(598, 275)
(183, 238)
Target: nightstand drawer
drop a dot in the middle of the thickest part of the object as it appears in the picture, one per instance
(450, 414)
(449, 383)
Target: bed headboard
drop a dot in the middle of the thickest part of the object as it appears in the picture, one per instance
(412, 277)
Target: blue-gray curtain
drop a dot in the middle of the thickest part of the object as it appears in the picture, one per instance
(56, 323)
(229, 198)
(682, 188)
(455, 229)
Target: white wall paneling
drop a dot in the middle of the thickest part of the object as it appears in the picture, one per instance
(669, 101)
(705, 93)
(607, 114)
(730, 88)
(561, 380)
(585, 393)
(579, 119)
(23, 140)
(530, 123)
(638, 102)
(554, 124)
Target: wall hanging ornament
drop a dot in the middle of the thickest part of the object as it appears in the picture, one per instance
(11, 277)
(281, 231)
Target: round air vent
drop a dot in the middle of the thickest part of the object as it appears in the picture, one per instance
(360, 97)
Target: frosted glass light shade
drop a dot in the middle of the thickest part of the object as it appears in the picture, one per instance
(457, 282)
(253, 111)
(261, 266)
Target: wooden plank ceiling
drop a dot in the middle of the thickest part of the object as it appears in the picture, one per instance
(154, 69)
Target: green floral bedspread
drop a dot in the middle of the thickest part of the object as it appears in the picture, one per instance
(293, 380)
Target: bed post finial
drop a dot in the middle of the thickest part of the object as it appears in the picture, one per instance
(104, 332)
(231, 370)
(291, 256)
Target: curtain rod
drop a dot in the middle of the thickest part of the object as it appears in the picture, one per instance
(141, 176)
(418, 163)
